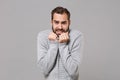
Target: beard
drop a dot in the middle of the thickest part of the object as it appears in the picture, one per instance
(62, 30)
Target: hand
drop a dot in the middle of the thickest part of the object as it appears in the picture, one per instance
(52, 36)
(64, 37)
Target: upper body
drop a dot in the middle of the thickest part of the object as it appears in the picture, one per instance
(59, 49)
(60, 61)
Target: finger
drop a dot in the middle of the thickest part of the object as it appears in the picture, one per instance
(60, 39)
(67, 33)
(64, 35)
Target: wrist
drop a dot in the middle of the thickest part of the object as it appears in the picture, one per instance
(53, 41)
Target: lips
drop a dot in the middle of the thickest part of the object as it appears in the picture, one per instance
(58, 32)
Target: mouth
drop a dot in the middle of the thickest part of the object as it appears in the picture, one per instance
(59, 32)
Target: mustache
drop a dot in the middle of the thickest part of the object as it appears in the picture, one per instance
(60, 30)
(57, 29)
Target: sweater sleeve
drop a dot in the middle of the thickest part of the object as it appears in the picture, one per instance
(71, 58)
(46, 56)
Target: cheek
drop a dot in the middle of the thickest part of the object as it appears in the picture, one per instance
(65, 27)
(54, 27)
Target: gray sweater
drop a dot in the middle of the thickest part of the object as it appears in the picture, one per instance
(59, 61)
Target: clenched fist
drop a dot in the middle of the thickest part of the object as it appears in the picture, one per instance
(64, 37)
(52, 36)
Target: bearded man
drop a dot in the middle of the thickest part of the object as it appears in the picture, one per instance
(59, 49)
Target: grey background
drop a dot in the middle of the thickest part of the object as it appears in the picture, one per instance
(21, 20)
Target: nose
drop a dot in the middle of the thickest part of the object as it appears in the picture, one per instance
(60, 26)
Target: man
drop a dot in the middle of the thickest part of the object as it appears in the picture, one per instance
(59, 49)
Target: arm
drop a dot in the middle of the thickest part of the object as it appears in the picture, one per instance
(46, 56)
(71, 59)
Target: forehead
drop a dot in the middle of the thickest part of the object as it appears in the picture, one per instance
(60, 17)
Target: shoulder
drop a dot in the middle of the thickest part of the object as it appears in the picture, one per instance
(75, 33)
(43, 34)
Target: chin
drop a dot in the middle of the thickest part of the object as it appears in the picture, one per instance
(58, 33)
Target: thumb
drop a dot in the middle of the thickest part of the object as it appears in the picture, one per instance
(66, 32)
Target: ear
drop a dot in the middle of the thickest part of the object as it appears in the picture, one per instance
(51, 22)
(69, 22)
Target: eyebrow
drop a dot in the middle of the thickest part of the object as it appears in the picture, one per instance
(56, 21)
(61, 22)
(64, 21)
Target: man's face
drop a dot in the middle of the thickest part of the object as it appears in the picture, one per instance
(60, 23)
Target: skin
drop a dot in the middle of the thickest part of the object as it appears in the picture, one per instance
(60, 26)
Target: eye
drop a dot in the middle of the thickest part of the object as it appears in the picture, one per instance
(56, 22)
(64, 22)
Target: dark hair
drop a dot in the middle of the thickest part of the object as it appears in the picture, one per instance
(60, 10)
